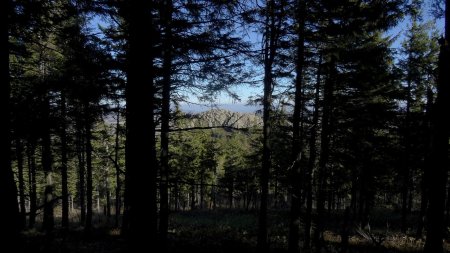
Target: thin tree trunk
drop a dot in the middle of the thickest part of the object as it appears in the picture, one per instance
(202, 190)
(81, 172)
(230, 194)
(177, 197)
(108, 195)
(166, 17)
(19, 154)
(192, 197)
(64, 182)
(49, 222)
(312, 157)
(406, 170)
(324, 155)
(270, 47)
(438, 164)
(31, 149)
(423, 209)
(89, 187)
(297, 142)
(116, 165)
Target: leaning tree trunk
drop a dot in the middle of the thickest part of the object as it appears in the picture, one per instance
(297, 142)
(438, 164)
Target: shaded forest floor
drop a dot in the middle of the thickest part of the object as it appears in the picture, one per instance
(223, 231)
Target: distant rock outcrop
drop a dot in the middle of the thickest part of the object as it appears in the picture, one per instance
(225, 118)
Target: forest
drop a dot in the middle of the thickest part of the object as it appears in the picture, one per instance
(347, 149)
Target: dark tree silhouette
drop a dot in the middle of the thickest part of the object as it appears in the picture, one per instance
(64, 160)
(272, 23)
(297, 140)
(140, 154)
(438, 163)
(49, 218)
(166, 18)
(8, 193)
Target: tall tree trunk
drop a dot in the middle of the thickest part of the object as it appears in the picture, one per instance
(81, 171)
(297, 142)
(406, 169)
(438, 164)
(423, 208)
(19, 155)
(177, 197)
(192, 200)
(64, 183)
(270, 48)
(166, 17)
(8, 194)
(108, 195)
(230, 194)
(116, 165)
(202, 190)
(89, 187)
(312, 157)
(49, 222)
(140, 152)
(31, 149)
(324, 154)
